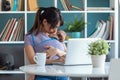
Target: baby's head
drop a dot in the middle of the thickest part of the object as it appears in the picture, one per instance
(60, 35)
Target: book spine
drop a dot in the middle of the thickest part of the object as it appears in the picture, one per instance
(32, 5)
(102, 30)
(5, 28)
(69, 6)
(111, 27)
(107, 30)
(64, 5)
(0, 5)
(98, 24)
(10, 29)
(15, 5)
(16, 31)
(13, 31)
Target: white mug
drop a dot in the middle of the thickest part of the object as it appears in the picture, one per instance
(40, 59)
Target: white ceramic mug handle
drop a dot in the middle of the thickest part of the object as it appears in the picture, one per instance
(35, 58)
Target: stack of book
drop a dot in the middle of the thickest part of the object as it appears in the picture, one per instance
(67, 6)
(13, 30)
(99, 8)
(104, 29)
(32, 5)
(14, 5)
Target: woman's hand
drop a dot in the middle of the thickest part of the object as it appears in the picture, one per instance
(51, 51)
(61, 59)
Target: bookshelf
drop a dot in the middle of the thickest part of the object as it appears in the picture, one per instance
(91, 10)
(13, 47)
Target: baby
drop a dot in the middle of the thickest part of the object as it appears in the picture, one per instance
(60, 35)
(56, 40)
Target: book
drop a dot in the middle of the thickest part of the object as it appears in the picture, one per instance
(102, 30)
(69, 6)
(7, 30)
(10, 30)
(22, 5)
(64, 5)
(23, 30)
(0, 5)
(4, 29)
(19, 30)
(16, 31)
(73, 6)
(15, 5)
(99, 8)
(111, 27)
(98, 26)
(13, 31)
(19, 5)
(107, 30)
(32, 5)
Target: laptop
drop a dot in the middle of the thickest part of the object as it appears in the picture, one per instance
(77, 52)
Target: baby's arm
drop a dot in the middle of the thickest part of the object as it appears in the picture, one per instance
(65, 49)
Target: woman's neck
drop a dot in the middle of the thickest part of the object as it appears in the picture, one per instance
(43, 30)
(45, 33)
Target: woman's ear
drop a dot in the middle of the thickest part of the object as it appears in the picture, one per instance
(44, 21)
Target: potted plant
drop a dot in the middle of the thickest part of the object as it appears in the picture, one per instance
(75, 27)
(98, 51)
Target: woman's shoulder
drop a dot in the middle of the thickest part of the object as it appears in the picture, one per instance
(32, 35)
(28, 36)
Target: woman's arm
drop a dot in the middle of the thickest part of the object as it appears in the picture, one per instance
(30, 53)
(60, 52)
(53, 51)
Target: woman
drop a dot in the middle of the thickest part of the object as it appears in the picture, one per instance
(46, 22)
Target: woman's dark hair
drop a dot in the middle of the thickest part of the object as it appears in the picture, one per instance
(58, 11)
(51, 14)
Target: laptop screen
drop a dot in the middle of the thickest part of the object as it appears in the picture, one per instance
(77, 51)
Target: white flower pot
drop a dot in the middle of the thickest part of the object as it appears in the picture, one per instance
(98, 60)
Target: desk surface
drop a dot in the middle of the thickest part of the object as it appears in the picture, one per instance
(73, 71)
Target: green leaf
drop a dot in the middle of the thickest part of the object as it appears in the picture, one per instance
(98, 47)
(76, 25)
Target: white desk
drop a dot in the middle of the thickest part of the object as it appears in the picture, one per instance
(72, 71)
